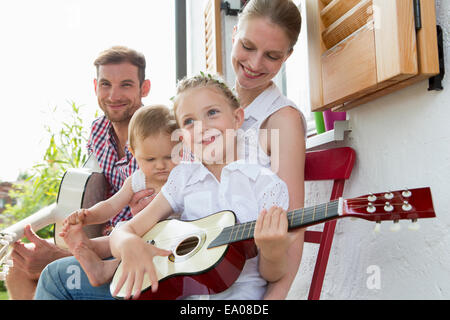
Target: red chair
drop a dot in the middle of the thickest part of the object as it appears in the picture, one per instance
(332, 164)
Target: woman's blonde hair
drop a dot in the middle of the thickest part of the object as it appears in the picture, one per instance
(205, 81)
(283, 13)
(148, 121)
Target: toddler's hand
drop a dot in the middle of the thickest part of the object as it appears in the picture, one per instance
(77, 217)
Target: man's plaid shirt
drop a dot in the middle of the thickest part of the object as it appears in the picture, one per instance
(103, 145)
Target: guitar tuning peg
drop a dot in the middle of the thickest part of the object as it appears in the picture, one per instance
(406, 206)
(414, 226)
(372, 197)
(5, 269)
(388, 195)
(406, 193)
(10, 237)
(371, 208)
(377, 227)
(395, 227)
(388, 207)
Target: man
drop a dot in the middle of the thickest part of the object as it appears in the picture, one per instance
(120, 86)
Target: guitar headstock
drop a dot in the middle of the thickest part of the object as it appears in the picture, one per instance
(5, 241)
(405, 204)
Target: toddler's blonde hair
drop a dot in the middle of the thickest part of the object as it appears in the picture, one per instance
(148, 121)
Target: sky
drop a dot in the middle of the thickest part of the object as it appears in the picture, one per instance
(46, 60)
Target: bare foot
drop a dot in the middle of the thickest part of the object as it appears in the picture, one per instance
(97, 270)
(74, 235)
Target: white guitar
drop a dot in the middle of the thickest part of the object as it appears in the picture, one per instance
(79, 188)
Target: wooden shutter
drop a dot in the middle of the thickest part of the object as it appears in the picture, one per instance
(364, 49)
(213, 37)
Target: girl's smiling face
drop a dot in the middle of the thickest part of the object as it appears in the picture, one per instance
(209, 123)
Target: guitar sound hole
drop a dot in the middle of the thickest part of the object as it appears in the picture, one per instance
(187, 246)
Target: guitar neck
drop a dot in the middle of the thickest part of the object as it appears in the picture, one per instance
(38, 220)
(296, 219)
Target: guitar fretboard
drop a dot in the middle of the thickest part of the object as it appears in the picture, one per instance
(296, 218)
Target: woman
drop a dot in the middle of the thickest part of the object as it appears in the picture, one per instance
(263, 40)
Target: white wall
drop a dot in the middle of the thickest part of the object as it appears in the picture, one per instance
(401, 140)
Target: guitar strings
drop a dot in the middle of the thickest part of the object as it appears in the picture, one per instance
(247, 227)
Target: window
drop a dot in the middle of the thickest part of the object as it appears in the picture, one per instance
(297, 72)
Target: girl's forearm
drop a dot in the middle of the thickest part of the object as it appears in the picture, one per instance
(273, 270)
(120, 238)
(279, 290)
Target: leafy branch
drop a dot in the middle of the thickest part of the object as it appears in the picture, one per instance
(66, 149)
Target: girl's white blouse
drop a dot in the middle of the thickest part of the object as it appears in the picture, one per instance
(245, 189)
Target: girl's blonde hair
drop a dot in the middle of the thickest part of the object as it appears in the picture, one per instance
(205, 81)
(148, 121)
(283, 13)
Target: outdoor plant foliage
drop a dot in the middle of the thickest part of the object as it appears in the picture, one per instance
(66, 149)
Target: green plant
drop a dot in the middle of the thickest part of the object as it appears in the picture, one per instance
(66, 149)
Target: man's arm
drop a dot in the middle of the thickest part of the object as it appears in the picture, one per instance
(140, 200)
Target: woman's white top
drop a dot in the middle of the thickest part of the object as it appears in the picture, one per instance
(245, 189)
(267, 103)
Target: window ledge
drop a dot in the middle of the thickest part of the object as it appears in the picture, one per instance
(337, 134)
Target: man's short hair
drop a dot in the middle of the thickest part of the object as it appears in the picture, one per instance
(120, 54)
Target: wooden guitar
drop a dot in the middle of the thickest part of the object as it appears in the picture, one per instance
(79, 188)
(208, 254)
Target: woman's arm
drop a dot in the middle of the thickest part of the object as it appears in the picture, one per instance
(288, 162)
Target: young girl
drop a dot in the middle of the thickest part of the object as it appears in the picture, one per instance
(150, 143)
(209, 114)
(263, 40)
